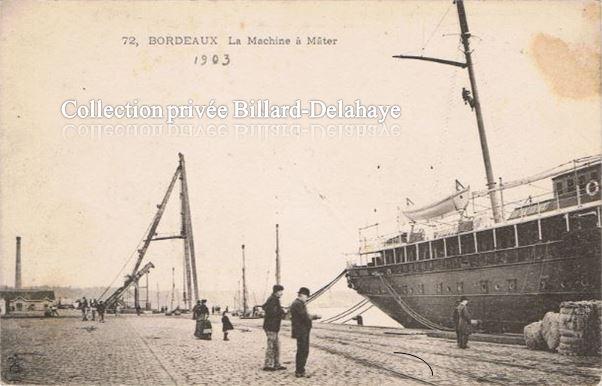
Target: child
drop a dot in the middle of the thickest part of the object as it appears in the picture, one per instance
(226, 325)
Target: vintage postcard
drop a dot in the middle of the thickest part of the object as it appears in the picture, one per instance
(300, 192)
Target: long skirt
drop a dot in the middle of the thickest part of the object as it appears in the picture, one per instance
(203, 329)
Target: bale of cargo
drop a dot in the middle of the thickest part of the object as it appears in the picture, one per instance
(533, 336)
(579, 328)
(550, 330)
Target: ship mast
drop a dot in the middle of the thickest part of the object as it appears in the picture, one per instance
(472, 100)
(465, 34)
(244, 284)
(277, 257)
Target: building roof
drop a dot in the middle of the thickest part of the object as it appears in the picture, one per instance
(11, 294)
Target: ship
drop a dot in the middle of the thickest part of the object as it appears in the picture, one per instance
(514, 262)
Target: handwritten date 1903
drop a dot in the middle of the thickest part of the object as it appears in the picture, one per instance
(215, 59)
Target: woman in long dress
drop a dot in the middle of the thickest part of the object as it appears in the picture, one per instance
(200, 313)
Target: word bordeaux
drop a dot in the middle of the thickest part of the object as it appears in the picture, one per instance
(187, 40)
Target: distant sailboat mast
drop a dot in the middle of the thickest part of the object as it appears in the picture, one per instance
(472, 100)
(244, 284)
(277, 257)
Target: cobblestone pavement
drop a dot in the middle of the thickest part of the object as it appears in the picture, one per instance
(155, 349)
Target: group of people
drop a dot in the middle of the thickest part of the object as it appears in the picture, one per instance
(301, 324)
(89, 308)
(203, 329)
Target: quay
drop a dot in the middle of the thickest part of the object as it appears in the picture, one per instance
(157, 349)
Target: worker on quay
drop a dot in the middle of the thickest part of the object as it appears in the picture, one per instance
(462, 322)
(271, 325)
(301, 323)
(83, 306)
(100, 307)
(93, 309)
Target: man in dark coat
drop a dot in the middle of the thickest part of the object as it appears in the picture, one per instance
(462, 321)
(101, 311)
(301, 327)
(271, 325)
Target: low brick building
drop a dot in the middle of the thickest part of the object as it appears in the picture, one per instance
(24, 302)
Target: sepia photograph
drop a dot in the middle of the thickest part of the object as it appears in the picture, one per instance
(350, 192)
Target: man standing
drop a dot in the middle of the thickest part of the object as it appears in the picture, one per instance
(301, 327)
(83, 305)
(271, 325)
(462, 320)
(101, 311)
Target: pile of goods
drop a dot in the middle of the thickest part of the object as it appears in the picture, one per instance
(576, 330)
(580, 328)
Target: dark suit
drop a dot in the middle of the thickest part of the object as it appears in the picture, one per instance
(462, 321)
(301, 327)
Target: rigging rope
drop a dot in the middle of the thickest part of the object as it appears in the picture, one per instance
(126, 263)
(560, 169)
(436, 27)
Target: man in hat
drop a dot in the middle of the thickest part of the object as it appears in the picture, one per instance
(271, 325)
(301, 327)
(462, 322)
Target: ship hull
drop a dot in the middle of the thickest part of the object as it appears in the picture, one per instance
(505, 292)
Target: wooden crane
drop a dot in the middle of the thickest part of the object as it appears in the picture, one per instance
(191, 291)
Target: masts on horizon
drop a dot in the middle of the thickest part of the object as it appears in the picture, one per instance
(158, 298)
(472, 100)
(173, 287)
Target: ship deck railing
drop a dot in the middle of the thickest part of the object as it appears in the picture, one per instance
(523, 211)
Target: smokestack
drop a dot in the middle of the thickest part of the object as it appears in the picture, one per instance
(18, 265)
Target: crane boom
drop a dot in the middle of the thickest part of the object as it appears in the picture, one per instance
(153, 228)
(190, 276)
(130, 279)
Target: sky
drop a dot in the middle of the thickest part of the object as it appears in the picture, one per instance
(82, 199)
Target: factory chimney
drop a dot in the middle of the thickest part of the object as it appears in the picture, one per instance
(18, 265)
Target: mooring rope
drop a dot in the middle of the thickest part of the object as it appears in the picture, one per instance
(415, 315)
(371, 305)
(326, 287)
(348, 311)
